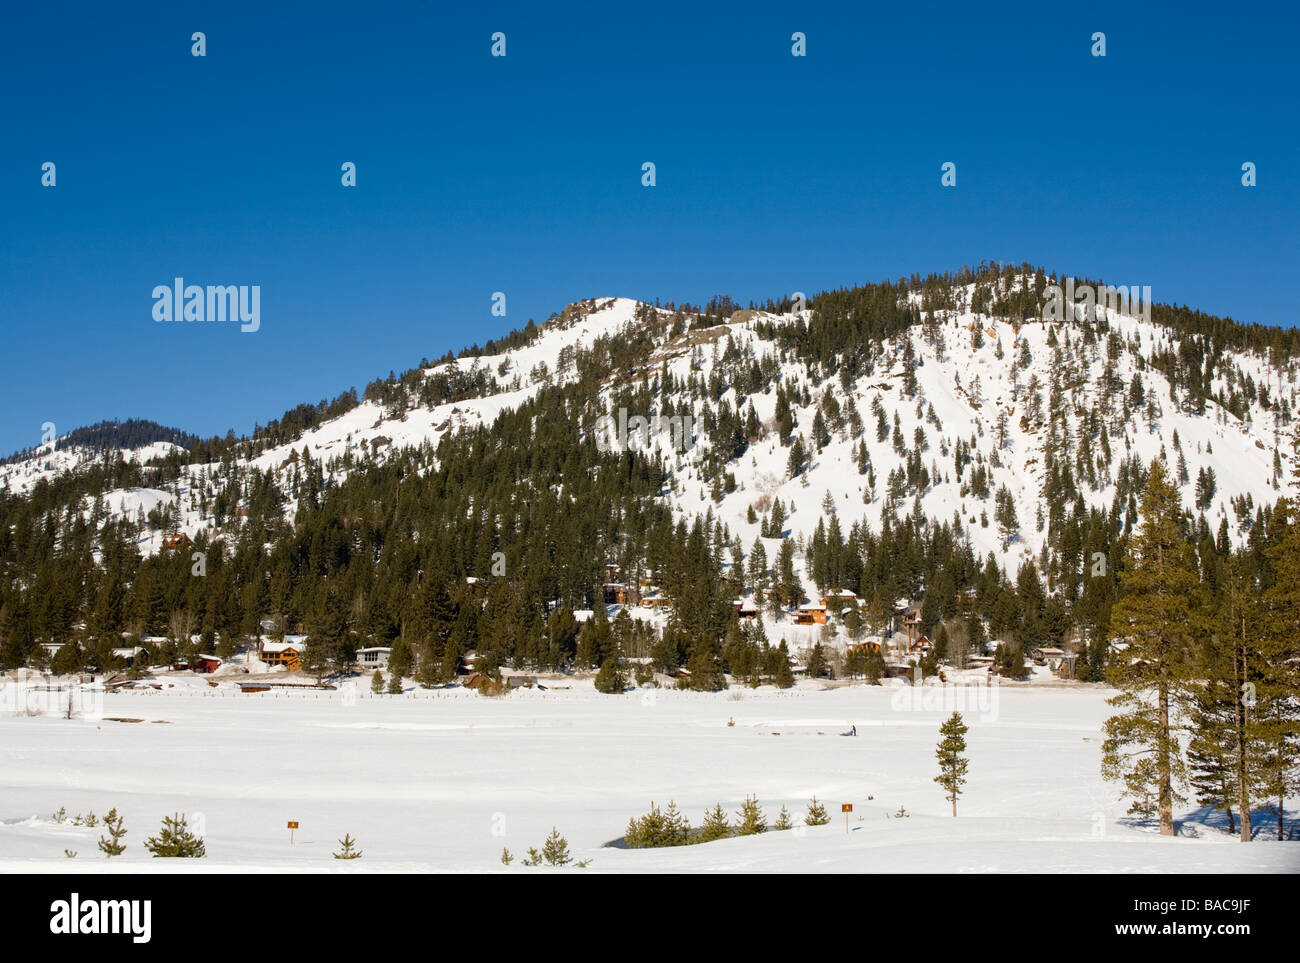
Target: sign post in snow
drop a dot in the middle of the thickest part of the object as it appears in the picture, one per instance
(846, 808)
(293, 824)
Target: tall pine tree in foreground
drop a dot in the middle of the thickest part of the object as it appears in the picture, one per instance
(1154, 670)
(1277, 703)
(1229, 738)
(952, 759)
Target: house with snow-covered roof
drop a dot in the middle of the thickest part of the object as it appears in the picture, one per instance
(810, 613)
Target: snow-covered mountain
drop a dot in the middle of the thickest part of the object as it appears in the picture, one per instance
(1003, 399)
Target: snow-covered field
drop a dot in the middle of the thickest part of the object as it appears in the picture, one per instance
(442, 780)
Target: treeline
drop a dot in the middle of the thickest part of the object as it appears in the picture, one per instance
(109, 436)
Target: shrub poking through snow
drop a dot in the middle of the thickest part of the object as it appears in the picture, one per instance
(817, 815)
(658, 828)
(349, 850)
(752, 821)
(556, 849)
(112, 845)
(715, 825)
(175, 840)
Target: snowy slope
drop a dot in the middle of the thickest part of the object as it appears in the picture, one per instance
(961, 393)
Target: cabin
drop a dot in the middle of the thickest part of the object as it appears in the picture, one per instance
(746, 610)
(920, 646)
(810, 613)
(657, 602)
(837, 599)
(206, 664)
(475, 586)
(872, 643)
(129, 655)
(287, 653)
(374, 656)
(907, 619)
(616, 593)
(477, 680)
(1048, 656)
(177, 541)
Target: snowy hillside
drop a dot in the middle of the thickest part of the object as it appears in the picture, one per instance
(980, 417)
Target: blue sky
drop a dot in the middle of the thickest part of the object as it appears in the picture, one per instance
(522, 174)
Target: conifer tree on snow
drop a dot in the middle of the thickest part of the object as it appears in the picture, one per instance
(556, 849)
(1154, 671)
(817, 815)
(751, 818)
(952, 760)
(113, 845)
(1277, 709)
(715, 825)
(610, 679)
(175, 840)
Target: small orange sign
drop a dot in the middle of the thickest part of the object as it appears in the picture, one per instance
(846, 807)
(293, 824)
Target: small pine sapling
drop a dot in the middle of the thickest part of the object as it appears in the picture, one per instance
(715, 825)
(349, 850)
(556, 849)
(175, 840)
(817, 815)
(112, 845)
(752, 821)
(783, 820)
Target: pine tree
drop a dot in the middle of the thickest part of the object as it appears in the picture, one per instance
(377, 682)
(175, 840)
(113, 845)
(1277, 711)
(556, 849)
(751, 818)
(798, 458)
(783, 678)
(715, 825)
(1154, 670)
(349, 850)
(817, 815)
(783, 820)
(952, 762)
(610, 679)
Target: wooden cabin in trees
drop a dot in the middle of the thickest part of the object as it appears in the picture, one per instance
(616, 593)
(206, 664)
(810, 613)
(837, 599)
(287, 653)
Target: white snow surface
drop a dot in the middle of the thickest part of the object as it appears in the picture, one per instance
(443, 780)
